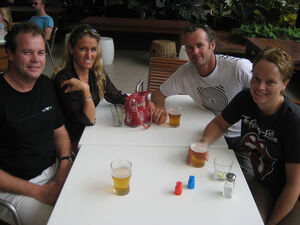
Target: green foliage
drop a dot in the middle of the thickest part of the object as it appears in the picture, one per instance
(276, 12)
(218, 10)
(265, 31)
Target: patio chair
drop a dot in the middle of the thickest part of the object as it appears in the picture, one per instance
(50, 44)
(13, 211)
(296, 101)
(160, 69)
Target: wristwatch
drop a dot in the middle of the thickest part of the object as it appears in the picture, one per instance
(66, 158)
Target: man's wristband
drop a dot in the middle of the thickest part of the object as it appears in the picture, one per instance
(66, 158)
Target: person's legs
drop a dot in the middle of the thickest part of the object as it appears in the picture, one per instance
(262, 197)
(293, 217)
(30, 210)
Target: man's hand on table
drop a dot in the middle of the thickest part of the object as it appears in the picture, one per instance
(159, 115)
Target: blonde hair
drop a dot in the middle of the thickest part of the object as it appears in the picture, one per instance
(77, 33)
(280, 58)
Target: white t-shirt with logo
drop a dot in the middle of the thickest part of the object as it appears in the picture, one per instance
(215, 91)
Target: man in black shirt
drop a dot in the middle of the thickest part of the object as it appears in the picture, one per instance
(32, 131)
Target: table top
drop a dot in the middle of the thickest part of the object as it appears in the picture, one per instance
(88, 197)
(290, 46)
(193, 121)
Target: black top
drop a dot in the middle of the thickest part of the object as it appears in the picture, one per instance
(72, 105)
(271, 140)
(27, 126)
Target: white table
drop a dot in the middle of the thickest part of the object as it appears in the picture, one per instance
(193, 121)
(88, 199)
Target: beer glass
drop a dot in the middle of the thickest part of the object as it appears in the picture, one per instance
(174, 113)
(117, 113)
(197, 152)
(121, 174)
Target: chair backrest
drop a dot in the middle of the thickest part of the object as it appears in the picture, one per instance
(52, 38)
(12, 209)
(160, 69)
(296, 101)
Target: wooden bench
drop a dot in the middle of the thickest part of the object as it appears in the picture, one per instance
(3, 58)
(174, 27)
(160, 69)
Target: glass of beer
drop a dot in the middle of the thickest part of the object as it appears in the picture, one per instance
(197, 152)
(174, 113)
(121, 173)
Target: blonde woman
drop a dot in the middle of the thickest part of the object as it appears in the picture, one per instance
(81, 82)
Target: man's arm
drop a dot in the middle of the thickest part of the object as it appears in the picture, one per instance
(62, 145)
(48, 32)
(289, 195)
(159, 112)
(49, 192)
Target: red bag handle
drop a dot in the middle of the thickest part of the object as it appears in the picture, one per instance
(141, 121)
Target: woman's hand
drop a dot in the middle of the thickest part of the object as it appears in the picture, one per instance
(74, 84)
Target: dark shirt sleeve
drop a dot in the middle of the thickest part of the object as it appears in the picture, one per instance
(112, 94)
(290, 127)
(233, 111)
(71, 103)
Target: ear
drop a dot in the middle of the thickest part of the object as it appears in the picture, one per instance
(10, 54)
(286, 84)
(213, 45)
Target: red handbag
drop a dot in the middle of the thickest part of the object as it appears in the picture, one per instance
(137, 108)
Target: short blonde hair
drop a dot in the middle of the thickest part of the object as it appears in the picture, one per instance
(280, 58)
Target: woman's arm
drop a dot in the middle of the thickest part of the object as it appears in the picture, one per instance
(75, 84)
(215, 129)
(289, 195)
(112, 94)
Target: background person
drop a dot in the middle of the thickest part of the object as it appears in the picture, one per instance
(81, 81)
(270, 133)
(211, 80)
(32, 132)
(44, 21)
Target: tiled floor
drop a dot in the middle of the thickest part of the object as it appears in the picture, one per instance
(131, 66)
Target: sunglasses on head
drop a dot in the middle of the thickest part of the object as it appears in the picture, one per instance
(87, 29)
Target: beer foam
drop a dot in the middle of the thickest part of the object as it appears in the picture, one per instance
(174, 111)
(121, 172)
(199, 147)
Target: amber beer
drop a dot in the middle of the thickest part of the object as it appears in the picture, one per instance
(174, 117)
(121, 174)
(121, 177)
(197, 154)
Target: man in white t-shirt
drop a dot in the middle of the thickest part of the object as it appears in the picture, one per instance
(211, 80)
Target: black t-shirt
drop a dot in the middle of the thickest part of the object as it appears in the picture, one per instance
(27, 126)
(271, 140)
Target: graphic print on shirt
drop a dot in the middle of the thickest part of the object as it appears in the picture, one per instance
(261, 161)
(213, 98)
